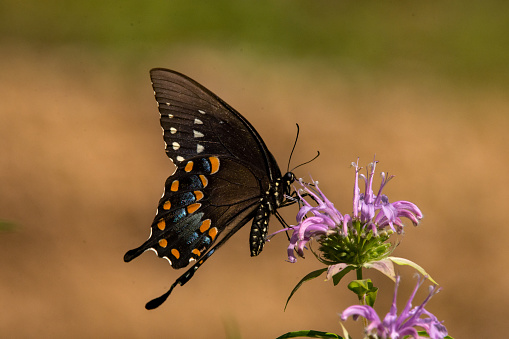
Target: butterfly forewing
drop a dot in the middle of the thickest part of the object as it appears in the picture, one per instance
(196, 121)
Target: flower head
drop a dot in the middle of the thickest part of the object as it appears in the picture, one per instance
(375, 211)
(396, 326)
(352, 240)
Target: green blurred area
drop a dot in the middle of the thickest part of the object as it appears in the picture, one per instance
(464, 40)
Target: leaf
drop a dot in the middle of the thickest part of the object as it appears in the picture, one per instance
(403, 261)
(309, 276)
(336, 278)
(364, 290)
(371, 297)
(386, 266)
(345, 332)
(334, 269)
(426, 335)
(310, 334)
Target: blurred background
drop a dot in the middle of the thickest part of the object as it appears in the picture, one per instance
(423, 85)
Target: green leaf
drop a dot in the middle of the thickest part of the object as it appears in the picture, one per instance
(309, 334)
(371, 297)
(403, 261)
(364, 290)
(336, 278)
(309, 276)
(360, 286)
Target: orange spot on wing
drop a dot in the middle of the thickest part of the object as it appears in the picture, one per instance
(204, 180)
(214, 163)
(192, 208)
(167, 205)
(205, 225)
(196, 252)
(175, 253)
(198, 195)
(174, 186)
(189, 166)
(161, 225)
(163, 243)
(213, 232)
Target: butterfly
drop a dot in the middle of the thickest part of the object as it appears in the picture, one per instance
(225, 177)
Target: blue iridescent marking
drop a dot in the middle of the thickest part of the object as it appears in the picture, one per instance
(186, 198)
(178, 215)
(206, 241)
(186, 226)
(206, 165)
(192, 238)
(191, 183)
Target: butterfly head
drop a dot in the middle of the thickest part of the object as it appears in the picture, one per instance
(288, 180)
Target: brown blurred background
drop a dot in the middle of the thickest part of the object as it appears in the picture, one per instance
(422, 86)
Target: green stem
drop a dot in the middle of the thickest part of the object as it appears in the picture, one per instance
(362, 301)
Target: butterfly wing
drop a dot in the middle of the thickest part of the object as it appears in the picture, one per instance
(196, 121)
(223, 168)
(202, 198)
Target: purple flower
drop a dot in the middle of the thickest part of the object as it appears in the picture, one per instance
(323, 222)
(394, 326)
(367, 204)
(326, 219)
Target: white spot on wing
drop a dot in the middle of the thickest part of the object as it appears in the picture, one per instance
(179, 158)
(173, 130)
(175, 145)
(170, 115)
(168, 104)
(202, 112)
(168, 260)
(199, 148)
(151, 249)
(198, 122)
(197, 134)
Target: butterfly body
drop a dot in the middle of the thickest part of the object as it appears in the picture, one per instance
(225, 177)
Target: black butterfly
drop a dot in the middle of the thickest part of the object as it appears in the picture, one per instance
(225, 177)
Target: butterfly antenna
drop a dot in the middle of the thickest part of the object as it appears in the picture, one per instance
(307, 162)
(293, 148)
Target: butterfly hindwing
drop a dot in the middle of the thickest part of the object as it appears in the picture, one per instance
(205, 196)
